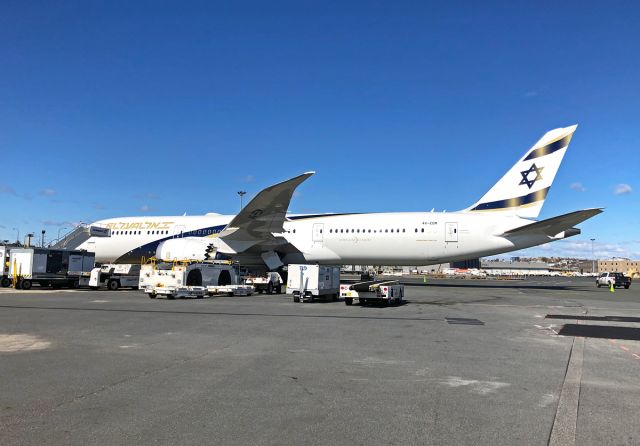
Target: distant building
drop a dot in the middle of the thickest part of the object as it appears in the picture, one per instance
(466, 264)
(500, 268)
(618, 266)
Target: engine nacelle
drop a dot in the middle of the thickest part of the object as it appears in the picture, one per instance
(187, 248)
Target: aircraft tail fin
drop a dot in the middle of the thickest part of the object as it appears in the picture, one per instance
(523, 189)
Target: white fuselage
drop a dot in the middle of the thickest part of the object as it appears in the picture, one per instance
(416, 238)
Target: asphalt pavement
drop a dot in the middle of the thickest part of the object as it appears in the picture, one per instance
(536, 361)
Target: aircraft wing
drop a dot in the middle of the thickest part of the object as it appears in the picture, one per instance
(555, 225)
(264, 214)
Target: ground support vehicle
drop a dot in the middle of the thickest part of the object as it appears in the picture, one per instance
(172, 292)
(389, 292)
(186, 279)
(269, 283)
(230, 290)
(618, 280)
(115, 276)
(313, 281)
(5, 280)
(50, 267)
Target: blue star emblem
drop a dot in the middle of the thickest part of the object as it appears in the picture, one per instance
(525, 175)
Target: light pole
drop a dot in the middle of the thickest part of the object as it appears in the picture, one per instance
(242, 194)
(17, 235)
(593, 259)
(59, 229)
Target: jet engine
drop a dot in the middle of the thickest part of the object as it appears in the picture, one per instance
(187, 248)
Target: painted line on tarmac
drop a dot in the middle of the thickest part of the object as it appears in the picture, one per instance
(563, 432)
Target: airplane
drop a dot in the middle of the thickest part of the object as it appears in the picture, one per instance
(264, 235)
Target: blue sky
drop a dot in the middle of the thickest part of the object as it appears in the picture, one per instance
(157, 108)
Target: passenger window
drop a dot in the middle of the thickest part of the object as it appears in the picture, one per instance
(386, 230)
(358, 231)
(320, 231)
(422, 230)
(416, 229)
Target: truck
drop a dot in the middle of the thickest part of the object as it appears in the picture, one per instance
(115, 276)
(308, 282)
(390, 292)
(5, 280)
(190, 279)
(618, 280)
(50, 267)
(269, 283)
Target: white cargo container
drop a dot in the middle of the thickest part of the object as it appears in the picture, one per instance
(311, 281)
(45, 266)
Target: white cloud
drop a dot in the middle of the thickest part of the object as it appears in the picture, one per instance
(145, 208)
(248, 179)
(147, 196)
(4, 189)
(581, 249)
(578, 187)
(48, 192)
(68, 224)
(531, 93)
(622, 189)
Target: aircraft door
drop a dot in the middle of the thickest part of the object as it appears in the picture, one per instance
(178, 231)
(317, 234)
(451, 232)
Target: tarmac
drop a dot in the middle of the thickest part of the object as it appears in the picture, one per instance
(536, 362)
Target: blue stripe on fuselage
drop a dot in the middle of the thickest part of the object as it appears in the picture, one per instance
(149, 249)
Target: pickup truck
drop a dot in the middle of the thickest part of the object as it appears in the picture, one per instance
(269, 283)
(617, 279)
